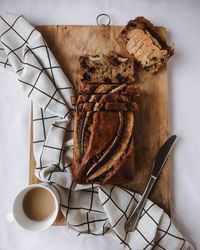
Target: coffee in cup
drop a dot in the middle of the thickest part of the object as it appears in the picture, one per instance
(36, 207)
(38, 204)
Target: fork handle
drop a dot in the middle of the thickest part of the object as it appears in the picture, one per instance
(132, 222)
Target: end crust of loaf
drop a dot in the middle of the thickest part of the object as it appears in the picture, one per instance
(140, 39)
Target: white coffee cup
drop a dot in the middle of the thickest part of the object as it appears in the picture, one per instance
(18, 215)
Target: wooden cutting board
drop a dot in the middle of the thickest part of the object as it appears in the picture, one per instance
(151, 123)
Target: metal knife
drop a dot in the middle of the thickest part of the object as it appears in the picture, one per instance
(158, 165)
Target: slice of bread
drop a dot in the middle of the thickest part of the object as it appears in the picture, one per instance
(140, 39)
(111, 69)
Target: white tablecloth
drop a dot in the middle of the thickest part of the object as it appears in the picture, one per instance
(182, 20)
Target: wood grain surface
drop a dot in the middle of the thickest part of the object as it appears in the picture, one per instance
(151, 122)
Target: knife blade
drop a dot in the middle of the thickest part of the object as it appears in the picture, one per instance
(162, 156)
(158, 165)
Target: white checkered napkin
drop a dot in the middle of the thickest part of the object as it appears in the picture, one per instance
(23, 49)
(91, 209)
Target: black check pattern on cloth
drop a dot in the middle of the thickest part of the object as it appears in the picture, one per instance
(91, 209)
